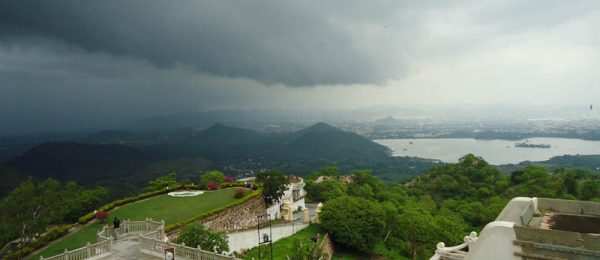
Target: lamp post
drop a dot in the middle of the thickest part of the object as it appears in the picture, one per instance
(265, 238)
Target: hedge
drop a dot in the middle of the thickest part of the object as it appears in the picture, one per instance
(180, 224)
(232, 184)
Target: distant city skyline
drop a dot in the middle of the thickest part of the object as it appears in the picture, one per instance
(66, 64)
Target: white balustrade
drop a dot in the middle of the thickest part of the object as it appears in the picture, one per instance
(181, 250)
(151, 237)
(88, 251)
(454, 252)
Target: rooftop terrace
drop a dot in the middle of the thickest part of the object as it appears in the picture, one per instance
(535, 228)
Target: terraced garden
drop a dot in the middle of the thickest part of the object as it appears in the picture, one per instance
(162, 207)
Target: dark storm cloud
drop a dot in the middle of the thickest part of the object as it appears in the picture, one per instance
(296, 43)
(82, 63)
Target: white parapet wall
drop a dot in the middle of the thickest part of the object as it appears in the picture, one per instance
(496, 241)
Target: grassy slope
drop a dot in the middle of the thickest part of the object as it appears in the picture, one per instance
(161, 207)
(284, 246)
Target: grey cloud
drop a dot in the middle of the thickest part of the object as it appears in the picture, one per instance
(525, 16)
(293, 43)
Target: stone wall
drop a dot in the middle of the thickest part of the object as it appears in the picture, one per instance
(240, 217)
(557, 243)
(326, 247)
(569, 206)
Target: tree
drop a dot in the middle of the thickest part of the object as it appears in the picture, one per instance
(416, 226)
(160, 183)
(30, 207)
(364, 191)
(274, 183)
(590, 189)
(216, 177)
(355, 222)
(195, 234)
(515, 177)
(76, 200)
(571, 185)
(362, 177)
(331, 171)
(325, 190)
(449, 228)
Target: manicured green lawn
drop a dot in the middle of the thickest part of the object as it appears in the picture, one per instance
(162, 207)
(284, 246)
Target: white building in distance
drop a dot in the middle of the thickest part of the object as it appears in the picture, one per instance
(294, 193)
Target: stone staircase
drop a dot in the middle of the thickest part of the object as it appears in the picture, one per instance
(128, 249)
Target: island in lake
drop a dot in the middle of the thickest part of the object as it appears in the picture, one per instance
(530, 145)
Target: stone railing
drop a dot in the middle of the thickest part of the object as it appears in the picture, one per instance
(157, 247)
(152, 239)
(106, 237)
(325, 248)
(105, 233)
(88, 251)
(455, 252)
(137, 227)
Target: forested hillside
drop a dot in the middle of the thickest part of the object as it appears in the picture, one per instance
(588, 162)
(444, 204)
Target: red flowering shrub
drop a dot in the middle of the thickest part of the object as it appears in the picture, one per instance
(212, 186)
(228, 179)
(239, 193)
(101, 216)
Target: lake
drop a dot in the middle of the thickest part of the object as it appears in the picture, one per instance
(493, 151)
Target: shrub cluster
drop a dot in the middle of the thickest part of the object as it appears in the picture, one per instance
(239, 193)
(191, 186)
(212, 186)
(232, 184)
(42, 241)
(101, 215)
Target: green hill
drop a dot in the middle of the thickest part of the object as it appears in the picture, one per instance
(125, 161)
(326, 141)
(82, 162)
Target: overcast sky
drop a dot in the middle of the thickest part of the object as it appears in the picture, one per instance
(85, 61)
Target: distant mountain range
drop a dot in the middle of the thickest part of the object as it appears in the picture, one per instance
(125, 161)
